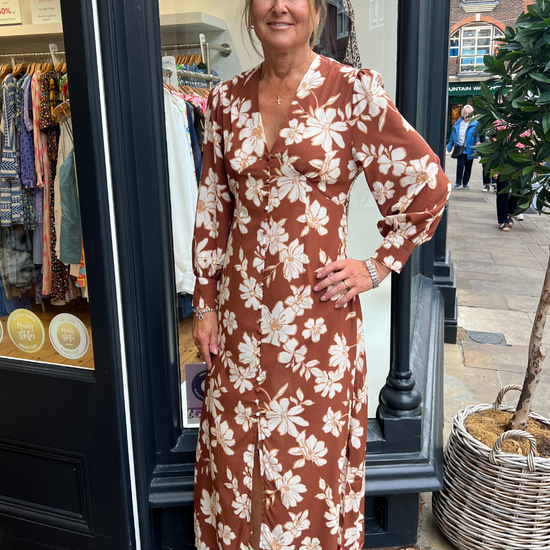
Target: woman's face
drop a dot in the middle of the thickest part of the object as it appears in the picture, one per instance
(282, 25)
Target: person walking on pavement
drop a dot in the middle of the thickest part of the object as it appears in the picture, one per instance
(463, 135)
(487, 180)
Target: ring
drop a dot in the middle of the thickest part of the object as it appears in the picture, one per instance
(347, 287)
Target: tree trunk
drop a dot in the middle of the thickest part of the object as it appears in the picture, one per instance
(536, 357)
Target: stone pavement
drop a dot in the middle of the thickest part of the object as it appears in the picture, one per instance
(499, 280)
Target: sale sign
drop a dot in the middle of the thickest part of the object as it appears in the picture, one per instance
(45, 11)
(10, 12)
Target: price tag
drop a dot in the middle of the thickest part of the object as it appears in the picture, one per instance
(45, 11)
(10, 12)
(169, 62)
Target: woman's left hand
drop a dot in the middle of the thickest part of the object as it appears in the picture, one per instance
(347, 278)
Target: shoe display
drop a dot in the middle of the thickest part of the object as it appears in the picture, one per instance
(457, 185)
(466, 186)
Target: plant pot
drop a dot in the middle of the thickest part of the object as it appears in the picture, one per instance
(493, 500)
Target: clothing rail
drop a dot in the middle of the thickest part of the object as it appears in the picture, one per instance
(193, 75)
(205, 47)
(30, 55)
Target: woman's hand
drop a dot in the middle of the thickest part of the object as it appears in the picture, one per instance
(205, 335)
(354, 273)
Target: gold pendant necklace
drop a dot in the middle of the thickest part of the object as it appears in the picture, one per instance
(283, 93)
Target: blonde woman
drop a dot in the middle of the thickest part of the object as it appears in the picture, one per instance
(281, 456)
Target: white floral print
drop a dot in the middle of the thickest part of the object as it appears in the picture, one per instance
(288, 384)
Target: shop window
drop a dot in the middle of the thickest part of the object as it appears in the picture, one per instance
(471, 42)
(44, 310)
(376, 18)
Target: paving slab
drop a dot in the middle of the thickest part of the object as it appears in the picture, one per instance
(471, 385)
(486, 300)
(527, 304)
(497, 358)
(453, 354)
(503, 258)
(515, 325)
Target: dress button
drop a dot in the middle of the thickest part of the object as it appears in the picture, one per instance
(260, 331)
(266, 219)
(262, 271)
(264, 246)
(257, 391)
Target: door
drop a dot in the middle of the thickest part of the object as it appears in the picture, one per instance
(66, 461)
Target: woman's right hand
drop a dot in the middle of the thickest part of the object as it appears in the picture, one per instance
(205, 335)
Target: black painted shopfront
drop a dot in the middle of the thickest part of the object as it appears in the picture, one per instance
(99, 459)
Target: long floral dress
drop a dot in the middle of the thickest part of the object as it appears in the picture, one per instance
(290, 377)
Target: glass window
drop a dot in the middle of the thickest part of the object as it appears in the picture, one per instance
(44, 310)
(471, 43)
(376, 18)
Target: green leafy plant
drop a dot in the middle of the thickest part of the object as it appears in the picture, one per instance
(516, 120)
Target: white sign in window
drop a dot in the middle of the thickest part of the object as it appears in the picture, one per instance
(10, 12)
(45, 11)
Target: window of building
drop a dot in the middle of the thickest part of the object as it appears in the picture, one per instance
(455, 43)
(342, 23)
(376, 18)
(471, 42)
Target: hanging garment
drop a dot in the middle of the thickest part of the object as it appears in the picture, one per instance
(183, 193)
(194, 142)
(28, 166)
(18, 270)
(42, 201)
(71, 230)
(49, 96)
(10, 188)
(290, 377)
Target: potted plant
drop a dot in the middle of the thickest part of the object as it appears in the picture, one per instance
(493, 499)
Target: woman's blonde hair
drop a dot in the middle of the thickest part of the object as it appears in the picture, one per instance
(316, 8)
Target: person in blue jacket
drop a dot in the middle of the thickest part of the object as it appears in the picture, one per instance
(463, 134)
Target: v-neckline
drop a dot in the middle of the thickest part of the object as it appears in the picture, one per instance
(286, 121)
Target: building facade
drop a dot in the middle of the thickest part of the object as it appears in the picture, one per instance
(96, 447)
(476, 26)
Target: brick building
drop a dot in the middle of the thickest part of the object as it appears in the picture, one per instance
(476, 26)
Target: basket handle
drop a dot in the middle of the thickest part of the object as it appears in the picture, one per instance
(503, 392)
(516, 433)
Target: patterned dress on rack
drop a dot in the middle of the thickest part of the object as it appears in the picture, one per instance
(290, 377)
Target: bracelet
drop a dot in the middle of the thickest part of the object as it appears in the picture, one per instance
(200, 312)
(372, 272)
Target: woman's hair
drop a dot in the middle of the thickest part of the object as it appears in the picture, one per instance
(315, 7)
(468, 108)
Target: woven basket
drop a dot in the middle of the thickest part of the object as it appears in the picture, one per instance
(493, 500)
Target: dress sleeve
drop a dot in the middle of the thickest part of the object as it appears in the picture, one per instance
(403, 173)
(214, 210)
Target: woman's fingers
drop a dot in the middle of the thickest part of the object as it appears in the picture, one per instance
(205, 336)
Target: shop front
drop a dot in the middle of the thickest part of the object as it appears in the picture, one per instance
(97, 204)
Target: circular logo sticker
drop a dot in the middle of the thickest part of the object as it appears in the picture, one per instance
(26, 330)
(69, 336)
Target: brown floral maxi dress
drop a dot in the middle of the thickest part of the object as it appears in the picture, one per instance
(290, 377)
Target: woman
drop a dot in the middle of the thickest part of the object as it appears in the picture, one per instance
(283, 429)
(464, 134)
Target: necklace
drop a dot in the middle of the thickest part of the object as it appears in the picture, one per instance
(278, 95)
(285, 91)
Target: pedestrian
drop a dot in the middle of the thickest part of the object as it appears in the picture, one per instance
(281, 448)
(462, 144)
(487, 180)
(506, 205)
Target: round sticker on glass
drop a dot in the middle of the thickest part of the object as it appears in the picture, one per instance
(69, 336)
(26, 330)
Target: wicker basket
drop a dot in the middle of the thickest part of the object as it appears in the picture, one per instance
(493, 500)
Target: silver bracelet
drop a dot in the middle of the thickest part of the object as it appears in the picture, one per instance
(372, 272)
(200, 312)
